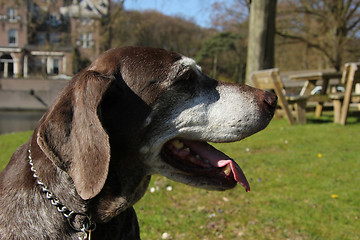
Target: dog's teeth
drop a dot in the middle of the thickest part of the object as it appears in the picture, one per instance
(227, 170)
(177, 144)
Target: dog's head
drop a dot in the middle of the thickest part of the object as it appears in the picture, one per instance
(137, 111)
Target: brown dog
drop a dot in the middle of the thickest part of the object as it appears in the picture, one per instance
(132, 113)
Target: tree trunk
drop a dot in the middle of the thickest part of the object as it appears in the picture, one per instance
(261, 36)
(215, 65)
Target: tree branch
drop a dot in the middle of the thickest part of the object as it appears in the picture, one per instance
(304, 40)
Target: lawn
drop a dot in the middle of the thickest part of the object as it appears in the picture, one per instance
(305, 184)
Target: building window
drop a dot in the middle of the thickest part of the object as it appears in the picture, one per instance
(54, 38)
(41, 37)
(86, 40)
(13, 37)
(6, 66)
(56, 65)
(11, 14)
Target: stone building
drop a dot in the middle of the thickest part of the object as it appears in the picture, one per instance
(39, 38)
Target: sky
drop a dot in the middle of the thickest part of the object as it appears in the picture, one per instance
(197, 10)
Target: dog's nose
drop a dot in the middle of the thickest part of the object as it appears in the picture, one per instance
(270, 99)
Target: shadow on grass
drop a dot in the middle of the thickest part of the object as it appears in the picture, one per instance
(328, 117)
(353, 118)
(319, 120)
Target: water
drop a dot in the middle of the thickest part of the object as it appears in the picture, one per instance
(18, 121)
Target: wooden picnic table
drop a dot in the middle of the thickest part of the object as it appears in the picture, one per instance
(311, 79)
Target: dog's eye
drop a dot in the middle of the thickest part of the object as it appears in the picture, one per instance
(185, 77)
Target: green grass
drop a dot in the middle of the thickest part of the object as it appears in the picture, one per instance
(294, 173)
(9, 143)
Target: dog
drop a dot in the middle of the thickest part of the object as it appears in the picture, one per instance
(132, 113)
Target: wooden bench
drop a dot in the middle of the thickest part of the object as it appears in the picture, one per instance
(269, 80)
(311, 79)
(342, 100)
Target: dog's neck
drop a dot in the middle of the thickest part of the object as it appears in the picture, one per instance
(80, 222)
(109, 208)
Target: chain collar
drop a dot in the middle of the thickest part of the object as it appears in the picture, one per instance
(86, 225)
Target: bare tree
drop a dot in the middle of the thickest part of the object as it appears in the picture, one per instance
(325, 25)
(115, 9)
(230, 15)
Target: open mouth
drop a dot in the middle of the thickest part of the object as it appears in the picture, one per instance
(199, 158)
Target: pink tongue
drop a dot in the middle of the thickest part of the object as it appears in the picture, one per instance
(218, 159)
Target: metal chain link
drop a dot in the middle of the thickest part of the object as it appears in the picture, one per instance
(87, 226)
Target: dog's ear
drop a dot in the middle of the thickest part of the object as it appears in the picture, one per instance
(71, 134)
